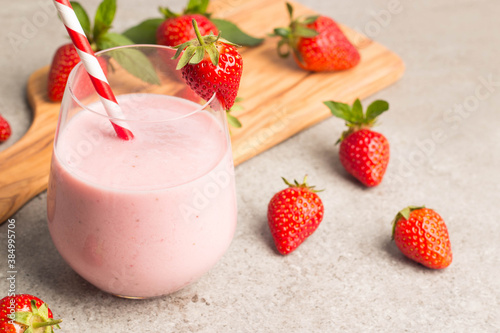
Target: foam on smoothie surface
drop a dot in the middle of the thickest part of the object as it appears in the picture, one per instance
(166, 151)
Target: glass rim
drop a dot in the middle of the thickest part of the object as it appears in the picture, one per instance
(77, 67)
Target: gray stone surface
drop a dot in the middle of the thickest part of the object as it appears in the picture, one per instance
(347, 276)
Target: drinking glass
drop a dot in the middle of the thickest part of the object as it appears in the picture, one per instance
(148, 216)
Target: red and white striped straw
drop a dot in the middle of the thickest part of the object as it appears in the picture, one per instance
(92, 67)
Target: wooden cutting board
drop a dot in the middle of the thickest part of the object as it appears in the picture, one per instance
(279, 98)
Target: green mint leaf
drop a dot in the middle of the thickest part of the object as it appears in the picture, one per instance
(132, 60)
(144, 32)
(104, 17)
(357, 111)
(340, 110)
(233, 121)
(112, 39)
(82, 16)
(196, 7)
(232, 33)
(302, 31)
(376, 109)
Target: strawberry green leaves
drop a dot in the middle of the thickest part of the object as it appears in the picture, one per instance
(376, 109)
(340, 110)
(232, 33)
(354, 115)
(111, 39)
(133, 61)
(144, 32)
(193, 7)
(38, 317)
(197, 7)
(194, 51)
(232, 120)
(136, 63)
(82, 16)
(104, 17)
(357, 109)
(289, 35)
(102, 23)
(403, 213)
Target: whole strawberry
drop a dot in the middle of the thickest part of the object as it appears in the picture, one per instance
(63, 62)
(5, 130)
(66, 57)
(293, 215)
(421, 235)
(211, 65)
(317, 44)
(177, 30)
(25, 313)
(363, 153)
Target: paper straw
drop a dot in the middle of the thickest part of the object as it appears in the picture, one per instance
(93, 67)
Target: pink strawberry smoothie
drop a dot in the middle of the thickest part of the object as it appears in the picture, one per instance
(146, 217)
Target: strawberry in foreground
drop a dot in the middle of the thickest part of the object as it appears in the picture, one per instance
(363, 152)
(66, 56)
(25, 314)
(421, 235)
(317, 44)
(5, 130)
(211, 65)
(293, 215)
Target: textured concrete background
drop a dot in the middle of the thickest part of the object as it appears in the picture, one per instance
(347, 276)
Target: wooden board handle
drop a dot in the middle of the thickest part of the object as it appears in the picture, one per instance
(24, 167)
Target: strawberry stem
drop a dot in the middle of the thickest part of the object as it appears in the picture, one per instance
(197, 32)
(299, 185)
(51, 322)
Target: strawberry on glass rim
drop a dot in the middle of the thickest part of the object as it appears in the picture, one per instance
(25, 313)
(210, 64)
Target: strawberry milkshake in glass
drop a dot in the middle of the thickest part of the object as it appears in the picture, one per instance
(144, 217)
